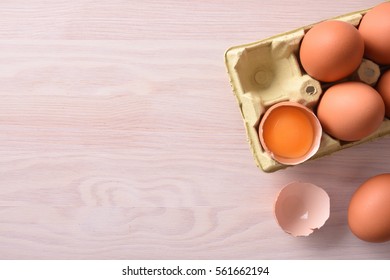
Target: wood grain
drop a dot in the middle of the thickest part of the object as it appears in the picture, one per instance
(120, 137)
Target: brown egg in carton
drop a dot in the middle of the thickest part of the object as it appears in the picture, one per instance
(268, 72)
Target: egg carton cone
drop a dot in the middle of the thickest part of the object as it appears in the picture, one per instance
(268, 71)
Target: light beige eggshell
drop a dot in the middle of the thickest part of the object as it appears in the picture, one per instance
(317, 132)
(300, 208)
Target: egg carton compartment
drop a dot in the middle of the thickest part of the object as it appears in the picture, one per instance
(267, 72)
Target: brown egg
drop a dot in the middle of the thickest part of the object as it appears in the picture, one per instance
(331, 50)
(369, 210)
(375, 30)
(383, 87)
(350, 111)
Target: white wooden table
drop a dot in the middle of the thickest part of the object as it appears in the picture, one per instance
(120, 137)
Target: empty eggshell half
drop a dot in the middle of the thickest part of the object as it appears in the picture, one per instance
(301, 207)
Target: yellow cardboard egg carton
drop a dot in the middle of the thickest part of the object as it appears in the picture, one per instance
(266, 72)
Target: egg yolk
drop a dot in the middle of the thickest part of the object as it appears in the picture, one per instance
(288, 132)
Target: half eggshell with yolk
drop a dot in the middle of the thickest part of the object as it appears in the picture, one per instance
(290, 132)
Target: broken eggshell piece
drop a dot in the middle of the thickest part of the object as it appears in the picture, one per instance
(301, 207)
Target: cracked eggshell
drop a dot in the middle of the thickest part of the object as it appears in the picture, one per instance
(292, 136)
(300, 208)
